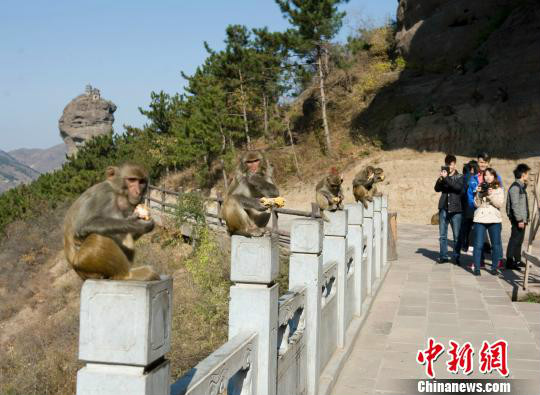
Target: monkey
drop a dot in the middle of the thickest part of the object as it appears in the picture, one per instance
(100, 227)
(329, 193)
(246, 204)
(364, 187)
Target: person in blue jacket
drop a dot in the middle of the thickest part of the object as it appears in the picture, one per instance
(470, 183)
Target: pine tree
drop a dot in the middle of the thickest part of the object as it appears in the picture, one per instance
(315, 23)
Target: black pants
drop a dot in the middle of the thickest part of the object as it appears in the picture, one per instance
(513, 251)
(465, 238)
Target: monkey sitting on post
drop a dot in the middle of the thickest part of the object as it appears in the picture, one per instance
(364, 187)
(101, 226)
(250, 195)
(329, 194)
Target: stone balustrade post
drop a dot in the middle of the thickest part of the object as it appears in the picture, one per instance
(125, 331)
(368, 231)
(377, 225)
(355, 237)
(305, 270)
(254, 303)
(384, 215)
(335, 250)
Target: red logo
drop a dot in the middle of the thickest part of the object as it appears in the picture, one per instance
(492, 357)
(430, 355)
(461, 358)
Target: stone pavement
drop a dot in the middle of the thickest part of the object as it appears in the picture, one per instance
(421, 299)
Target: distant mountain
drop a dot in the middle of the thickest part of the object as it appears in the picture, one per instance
(41, 160)
(13, 172)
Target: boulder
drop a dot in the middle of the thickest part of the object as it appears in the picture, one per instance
(85, 117)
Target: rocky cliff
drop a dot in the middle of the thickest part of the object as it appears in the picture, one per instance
(471, 81)
(86, 116)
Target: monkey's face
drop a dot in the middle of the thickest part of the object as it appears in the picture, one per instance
(135, 189)
(378, 174)
(334, 183)
(253, 165)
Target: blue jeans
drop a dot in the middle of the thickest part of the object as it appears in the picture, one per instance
(494, 231)
(445, 218)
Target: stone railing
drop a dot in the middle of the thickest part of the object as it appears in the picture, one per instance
(293, 344)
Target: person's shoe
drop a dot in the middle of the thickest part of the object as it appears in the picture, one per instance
(442, 260)
(471, 267)
(520, 264)
(511, 265)
(500, 265)
(477, 272)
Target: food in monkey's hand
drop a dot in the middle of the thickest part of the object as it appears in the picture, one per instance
(336, 199)
(143, 212)
(271, 202)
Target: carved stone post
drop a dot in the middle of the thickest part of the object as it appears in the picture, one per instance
(335, 250)
(254, 303)
(125, 331)
(377, 225)
(384, 215)
(370, 258)
(305, 270)
(355, 238)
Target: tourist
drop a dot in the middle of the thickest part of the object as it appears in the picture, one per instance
(517, 209)
(450, 184)
(488, 200)
(470, 183)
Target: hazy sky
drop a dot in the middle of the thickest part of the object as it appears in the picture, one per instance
(49, 51)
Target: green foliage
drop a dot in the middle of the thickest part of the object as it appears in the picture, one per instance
(190, 209)
(206, 267)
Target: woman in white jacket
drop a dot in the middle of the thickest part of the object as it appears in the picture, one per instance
(488, 200)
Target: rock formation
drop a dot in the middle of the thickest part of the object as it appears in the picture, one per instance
(86, 116)
(471, 81)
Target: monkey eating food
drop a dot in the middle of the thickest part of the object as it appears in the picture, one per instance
(329, 193)
(101, 226)
(250, 195)
(364, 187)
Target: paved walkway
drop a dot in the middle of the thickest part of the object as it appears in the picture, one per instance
(419, 299)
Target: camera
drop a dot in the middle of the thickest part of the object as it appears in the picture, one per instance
(445, 168)
(484, 187)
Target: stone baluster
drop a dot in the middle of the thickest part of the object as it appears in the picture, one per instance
(305, 270)
(253, 303)
(355, 238)
(125, 331)
(335, 250)
(377, 226)
(384, 215)
(368, 230)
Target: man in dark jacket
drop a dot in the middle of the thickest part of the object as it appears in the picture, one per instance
(517, 209)
(450, 184)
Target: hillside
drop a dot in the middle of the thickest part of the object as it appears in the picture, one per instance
(13, 172)
(41, 160)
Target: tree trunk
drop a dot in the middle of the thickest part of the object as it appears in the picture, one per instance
(244, 111)
(293, 150)
(265, 106)
(323, 102)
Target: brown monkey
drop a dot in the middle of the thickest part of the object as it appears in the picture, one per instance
(100, 227)
(245, 208)
(329, 194)
(364, 184)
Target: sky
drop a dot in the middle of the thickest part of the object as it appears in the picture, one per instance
(50, 50)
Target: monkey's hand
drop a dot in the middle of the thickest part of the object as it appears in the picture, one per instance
(144, 226)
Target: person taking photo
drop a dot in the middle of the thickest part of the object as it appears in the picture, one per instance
(488, 200)
(450, 184)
